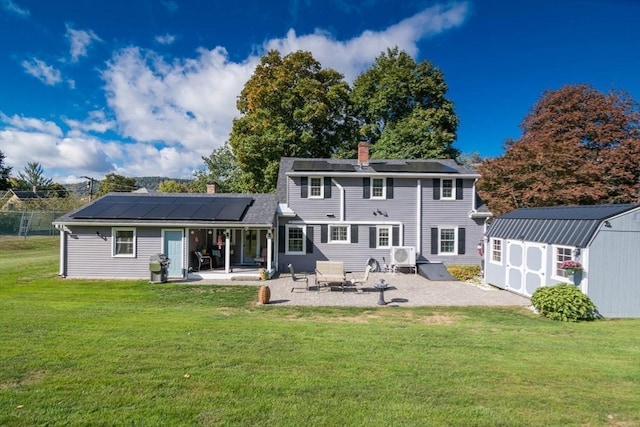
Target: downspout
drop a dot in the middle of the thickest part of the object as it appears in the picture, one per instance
(418, 217)
(342, 205)
(63, 260)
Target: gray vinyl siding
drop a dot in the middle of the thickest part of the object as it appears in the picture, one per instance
(89, 256)
(454, 213)
(401, 211)
(613, 268)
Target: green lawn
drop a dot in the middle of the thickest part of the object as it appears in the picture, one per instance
(79, 352)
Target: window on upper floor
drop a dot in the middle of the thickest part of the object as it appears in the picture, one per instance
(448, 189)
(448, 240)
(124, 242)
(377, 188)
(316, 187)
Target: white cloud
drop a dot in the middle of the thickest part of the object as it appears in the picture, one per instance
(166, 39)
(171, 6)
(11, 7)
(43, 72)
(79, 41)
(172, 112)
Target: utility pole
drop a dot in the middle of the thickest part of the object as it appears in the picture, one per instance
(90, 186)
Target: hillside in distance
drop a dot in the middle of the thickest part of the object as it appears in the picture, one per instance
(151, 183)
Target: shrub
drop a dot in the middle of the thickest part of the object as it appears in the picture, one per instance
(563, 302)
(464, 272)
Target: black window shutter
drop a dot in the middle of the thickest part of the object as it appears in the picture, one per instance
(304, 187)
(324, 233)
(327, 188)
(366, 188)
(458, 189)
(309, 239)
(354, 233)
(395, 236)
(436, 188)
(282, 243)
(389, 188)
(461, 241)
(372, 237)
(434, 240)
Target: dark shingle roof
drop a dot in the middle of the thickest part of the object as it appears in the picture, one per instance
(561, 225)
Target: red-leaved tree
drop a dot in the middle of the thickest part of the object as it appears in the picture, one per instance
(578, 146)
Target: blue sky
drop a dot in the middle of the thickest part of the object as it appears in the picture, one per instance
(148, 87)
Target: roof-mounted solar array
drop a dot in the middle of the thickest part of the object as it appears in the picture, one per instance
(413, 167)
(203, 208)
(321, 166)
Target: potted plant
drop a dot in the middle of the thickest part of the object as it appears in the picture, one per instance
(571, 266)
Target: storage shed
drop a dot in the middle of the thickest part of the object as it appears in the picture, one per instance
(526, 249)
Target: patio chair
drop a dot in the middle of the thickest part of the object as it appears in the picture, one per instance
(204, 259)
(262, 259)
(362, 280)
(298, 277)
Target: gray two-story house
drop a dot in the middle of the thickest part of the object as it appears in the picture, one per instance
(363, 211)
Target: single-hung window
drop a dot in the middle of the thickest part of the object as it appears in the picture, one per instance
(496, 250)
(295, 239)
(377, 188)
(316, 187)
(447, 189)
(383, 237)
(339, 234)
(124, 240)
(447, 240)
(562, 254)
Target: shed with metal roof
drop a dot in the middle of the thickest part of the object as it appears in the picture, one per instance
(526, 249)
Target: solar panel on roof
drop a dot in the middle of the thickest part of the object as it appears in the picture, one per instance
(415, 167)
(167, 208)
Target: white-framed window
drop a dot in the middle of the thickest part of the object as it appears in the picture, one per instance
(447, 240)
(447, 189)
(316, 187)
(296, 242)
(378, 188)
(383, 236)
(124, 242)
(496, 250)
(339, 234)
(561, 254)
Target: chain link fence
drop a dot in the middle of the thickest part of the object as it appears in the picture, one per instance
(28, 223)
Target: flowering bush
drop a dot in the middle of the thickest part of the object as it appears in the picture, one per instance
(571, 265)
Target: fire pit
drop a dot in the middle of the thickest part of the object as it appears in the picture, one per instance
(381, 286)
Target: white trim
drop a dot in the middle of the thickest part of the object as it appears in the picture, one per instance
(386, 174)
(418, 218)
(310, 187)
(342, 203)
(491, 251)
(384, 188)
(302, 227)
(389, 229)
(455, 240)
(453, 189)
(554, 261)
(339, 242)
(114, 241)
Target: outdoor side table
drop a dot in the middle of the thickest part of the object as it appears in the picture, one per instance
(381, 286)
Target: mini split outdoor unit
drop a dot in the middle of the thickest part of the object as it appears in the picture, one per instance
(403, 256)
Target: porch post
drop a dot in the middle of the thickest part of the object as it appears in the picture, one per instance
(227, 250)
(269, 250)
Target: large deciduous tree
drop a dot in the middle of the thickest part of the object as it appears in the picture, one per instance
(4, 173)
(223, 169)
(578, 146)
(116, 183)
(290, 107)
(402, 109)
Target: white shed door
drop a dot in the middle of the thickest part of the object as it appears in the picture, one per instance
(525, 266)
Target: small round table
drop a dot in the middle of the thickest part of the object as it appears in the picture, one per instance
(381, 286)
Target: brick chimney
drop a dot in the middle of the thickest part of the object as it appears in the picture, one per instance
(363, 153)
(212, 187)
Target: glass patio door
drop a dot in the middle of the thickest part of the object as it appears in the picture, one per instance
(250, 246)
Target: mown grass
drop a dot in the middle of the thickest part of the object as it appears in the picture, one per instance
(80, 352)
